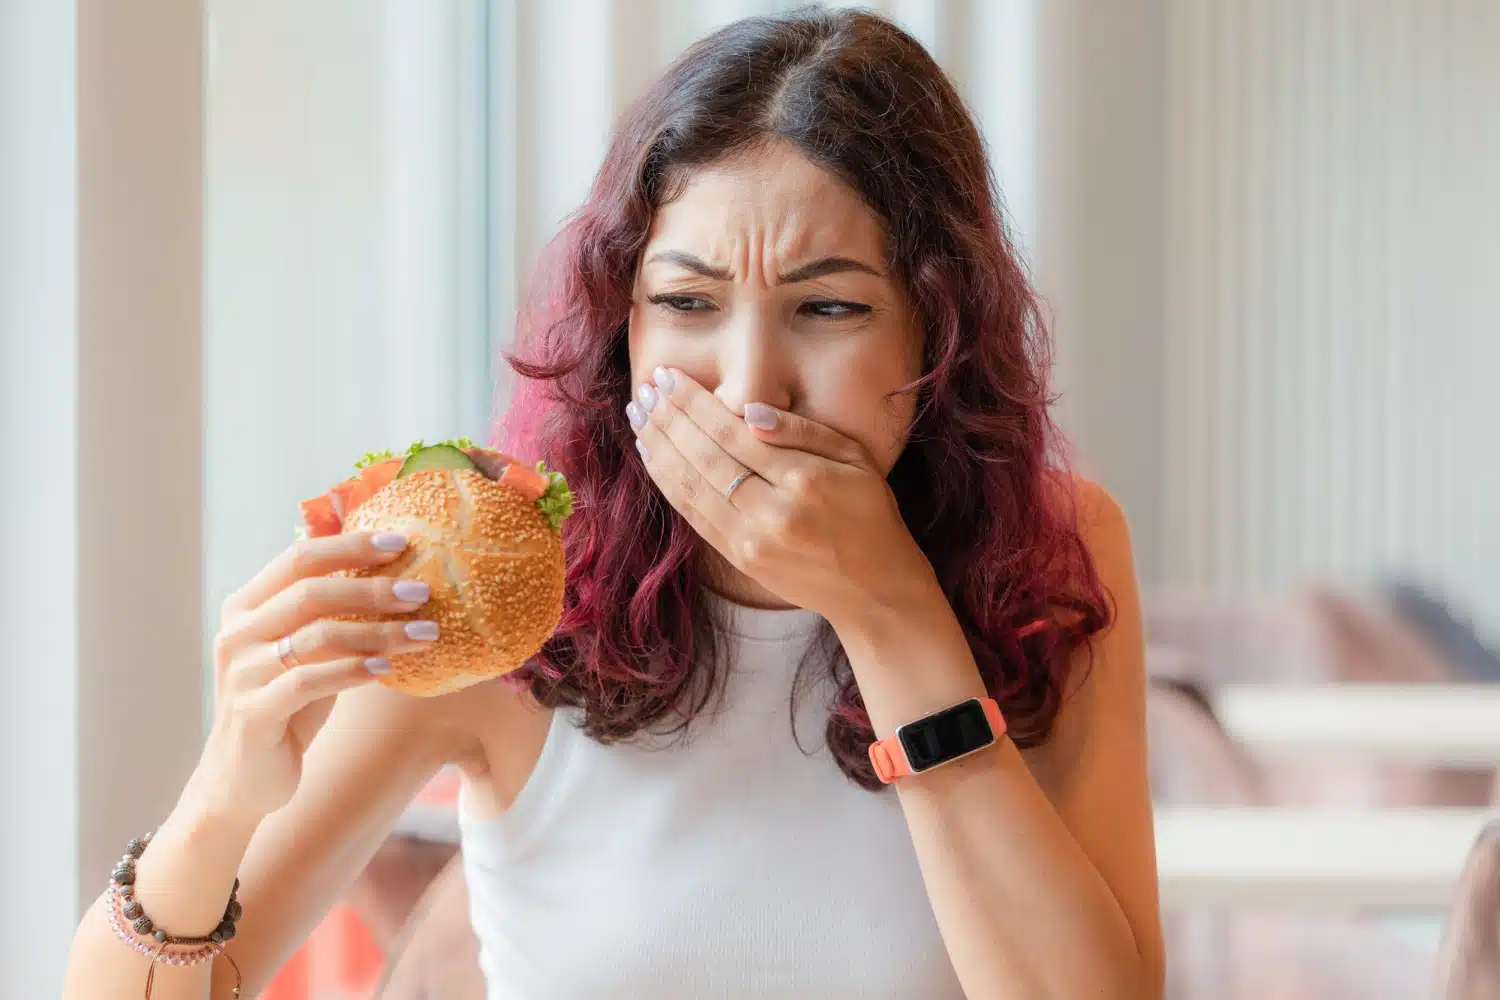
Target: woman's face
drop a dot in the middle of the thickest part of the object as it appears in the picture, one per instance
(766, 282)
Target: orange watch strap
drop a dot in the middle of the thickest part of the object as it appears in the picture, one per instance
(992, 712)
(888, 756)
(889, 759)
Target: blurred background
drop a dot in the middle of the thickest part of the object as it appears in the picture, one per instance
(1266, 231)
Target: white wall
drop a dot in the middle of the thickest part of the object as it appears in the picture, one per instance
(1267, 233)
(1100, 209)
(1333, 329)
(100, 132)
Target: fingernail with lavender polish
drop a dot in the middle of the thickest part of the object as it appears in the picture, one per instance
(411, 590)
(422, 630)
(388, 541)
(640, 446)
(760, 415)
(378, 665)
(665, 379)
(647, 396)
(635, 415)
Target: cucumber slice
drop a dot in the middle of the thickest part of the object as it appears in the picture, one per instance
(438, 456)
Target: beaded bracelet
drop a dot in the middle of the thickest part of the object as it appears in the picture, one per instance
(125, 910)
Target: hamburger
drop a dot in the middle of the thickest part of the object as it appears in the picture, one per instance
(484, 533)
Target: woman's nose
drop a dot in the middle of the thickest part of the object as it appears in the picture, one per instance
(752, 369)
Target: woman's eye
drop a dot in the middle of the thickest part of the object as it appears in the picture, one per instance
(679, 303)
(818, 308)
(835, 310)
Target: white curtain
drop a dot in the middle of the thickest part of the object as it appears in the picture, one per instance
(1333, 330)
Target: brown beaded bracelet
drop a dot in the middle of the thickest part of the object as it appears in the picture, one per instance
(126, 910)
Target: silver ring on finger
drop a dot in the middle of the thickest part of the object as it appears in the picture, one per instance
(285, 653)
(729, 490)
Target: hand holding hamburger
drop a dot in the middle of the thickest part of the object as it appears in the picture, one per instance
(483, 533)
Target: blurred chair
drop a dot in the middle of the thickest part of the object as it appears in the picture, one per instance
(1455, 635)
(1315, 635)
(1468, 965)
(1254, 955)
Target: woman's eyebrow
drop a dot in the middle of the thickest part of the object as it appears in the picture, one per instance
(807, 272)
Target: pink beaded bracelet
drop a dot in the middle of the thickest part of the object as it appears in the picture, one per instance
(126, 911)
(117, 920)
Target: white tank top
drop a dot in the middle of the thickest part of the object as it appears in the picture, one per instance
(732, 866)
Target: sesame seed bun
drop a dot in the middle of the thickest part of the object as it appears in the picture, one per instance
(493, 563)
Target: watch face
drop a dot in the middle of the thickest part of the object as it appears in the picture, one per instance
(948, 734)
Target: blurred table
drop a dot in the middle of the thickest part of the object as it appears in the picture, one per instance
(1321, 859)
(1442, 724)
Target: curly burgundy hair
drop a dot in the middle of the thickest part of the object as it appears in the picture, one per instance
(980, 482)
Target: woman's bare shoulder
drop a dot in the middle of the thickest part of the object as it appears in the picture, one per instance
(1098, 516)
(1111, 662)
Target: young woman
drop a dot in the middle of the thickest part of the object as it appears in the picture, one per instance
(790, 362)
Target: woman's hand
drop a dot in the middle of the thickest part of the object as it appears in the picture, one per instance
(814, 522)
(269, 706)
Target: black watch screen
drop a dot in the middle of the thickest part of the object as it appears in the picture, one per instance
(945, 735)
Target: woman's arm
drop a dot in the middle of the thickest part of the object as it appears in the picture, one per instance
(375, 752)
(1041, 871)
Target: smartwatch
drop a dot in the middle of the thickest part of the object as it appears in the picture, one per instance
(938, 739)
